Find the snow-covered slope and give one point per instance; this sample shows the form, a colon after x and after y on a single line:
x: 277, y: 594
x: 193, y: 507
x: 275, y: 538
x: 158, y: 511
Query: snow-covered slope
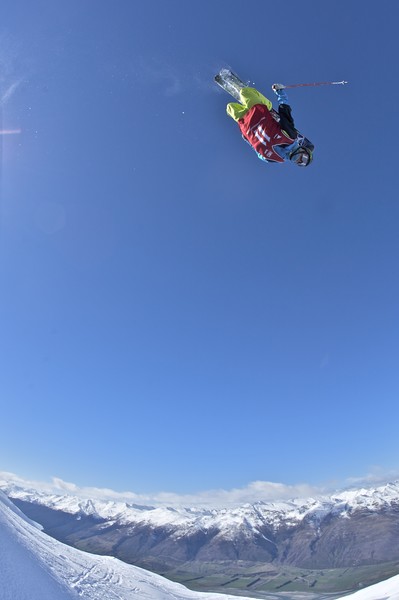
x: 385, y: 590
x: 34, y: 566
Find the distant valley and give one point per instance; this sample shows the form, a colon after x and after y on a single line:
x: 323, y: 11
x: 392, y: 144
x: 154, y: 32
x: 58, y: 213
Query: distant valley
x: 320, y: 545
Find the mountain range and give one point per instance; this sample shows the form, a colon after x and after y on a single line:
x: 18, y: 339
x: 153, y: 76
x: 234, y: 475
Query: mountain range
x: 33, y: 565
x: 325, y: 544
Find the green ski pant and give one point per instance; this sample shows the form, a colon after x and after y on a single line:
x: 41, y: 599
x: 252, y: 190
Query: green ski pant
x: 248, y: 98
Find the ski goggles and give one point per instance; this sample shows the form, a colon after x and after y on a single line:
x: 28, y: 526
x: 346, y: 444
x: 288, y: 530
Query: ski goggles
x: 301, y: 157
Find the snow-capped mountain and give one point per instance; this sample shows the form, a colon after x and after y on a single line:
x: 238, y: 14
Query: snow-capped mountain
x: 36, y: 567
x: 255, y: 543
x: 249, y: 516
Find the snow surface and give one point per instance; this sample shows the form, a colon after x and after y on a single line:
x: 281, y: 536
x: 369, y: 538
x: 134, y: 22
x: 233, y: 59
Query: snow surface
x: 34, y: 566
x: 385, y: 590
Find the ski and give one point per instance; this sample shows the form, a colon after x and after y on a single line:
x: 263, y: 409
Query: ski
x: 232, y: 84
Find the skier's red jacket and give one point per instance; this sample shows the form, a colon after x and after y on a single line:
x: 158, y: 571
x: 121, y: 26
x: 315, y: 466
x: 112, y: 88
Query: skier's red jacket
x: 263, y: 132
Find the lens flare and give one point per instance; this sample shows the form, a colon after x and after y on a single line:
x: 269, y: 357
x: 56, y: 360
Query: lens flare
x: 9, y: 131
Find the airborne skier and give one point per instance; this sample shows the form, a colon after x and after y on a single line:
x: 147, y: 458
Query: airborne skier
x: 272, y: 135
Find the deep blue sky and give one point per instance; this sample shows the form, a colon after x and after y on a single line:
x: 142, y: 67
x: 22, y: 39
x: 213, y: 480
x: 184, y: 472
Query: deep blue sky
x: 175, y: 314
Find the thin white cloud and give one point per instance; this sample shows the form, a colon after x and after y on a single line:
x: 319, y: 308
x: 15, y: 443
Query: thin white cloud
x: 11, y: 68
x: 325, y: 362
x: 377, y: 476
x: 255, y: 491
x: 8, y: 91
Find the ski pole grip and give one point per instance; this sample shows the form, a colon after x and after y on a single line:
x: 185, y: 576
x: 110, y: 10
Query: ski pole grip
x: 277, y: 86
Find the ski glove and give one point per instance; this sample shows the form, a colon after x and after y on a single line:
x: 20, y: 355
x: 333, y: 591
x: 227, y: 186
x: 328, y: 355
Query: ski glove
x: 278, y: 89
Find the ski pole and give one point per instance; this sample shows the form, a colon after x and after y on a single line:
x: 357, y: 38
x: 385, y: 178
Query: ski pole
x: 295, y: 85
